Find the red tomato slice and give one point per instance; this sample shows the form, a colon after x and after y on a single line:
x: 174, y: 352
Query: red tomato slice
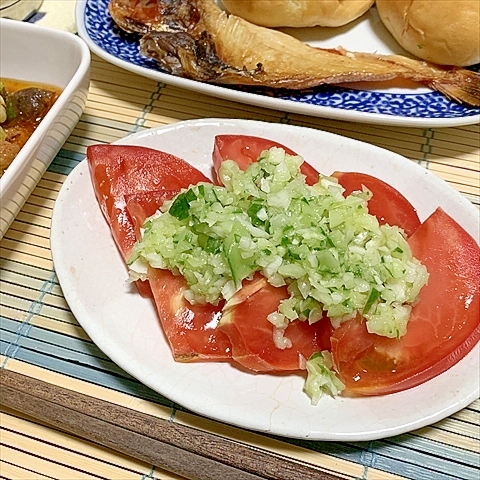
x: 245, y: 149
x: 119, y: 170
x: 191, y: 330
x: 387, y: 204
x: 444, y: 325
x: 251, y: 334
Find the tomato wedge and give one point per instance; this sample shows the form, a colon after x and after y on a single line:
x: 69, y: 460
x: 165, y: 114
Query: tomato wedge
x: 387, y: 204
x: 189, y: 329
x: 119, y: 170
x: 251, y: 334
x: 444, y: 325
x: 245, y: 149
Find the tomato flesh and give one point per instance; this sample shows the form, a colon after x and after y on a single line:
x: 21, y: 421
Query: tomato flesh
x: 387, y: 203
x: 120, y: 170
x: 251, y: 333
x: 190, y: 330
x: 132, y: 182
x: 245, y: 149
x: 443, y: 327
x: 142, y: 205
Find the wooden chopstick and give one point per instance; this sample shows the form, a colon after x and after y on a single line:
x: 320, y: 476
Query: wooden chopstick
x: 183, y: 450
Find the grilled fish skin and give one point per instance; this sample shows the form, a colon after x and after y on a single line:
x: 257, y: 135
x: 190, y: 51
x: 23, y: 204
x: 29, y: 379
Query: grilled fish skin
x: 198, y: 40
x: 144, y: 16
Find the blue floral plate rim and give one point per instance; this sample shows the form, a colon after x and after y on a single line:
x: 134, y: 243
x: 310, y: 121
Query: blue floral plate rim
x: 424, y: 109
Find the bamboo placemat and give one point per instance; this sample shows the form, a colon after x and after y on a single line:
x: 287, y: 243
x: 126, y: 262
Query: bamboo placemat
x: 40, y: 337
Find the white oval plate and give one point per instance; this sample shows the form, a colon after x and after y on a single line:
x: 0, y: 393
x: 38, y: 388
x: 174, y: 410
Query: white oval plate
x: 407, y: 106
x: 125, y: 325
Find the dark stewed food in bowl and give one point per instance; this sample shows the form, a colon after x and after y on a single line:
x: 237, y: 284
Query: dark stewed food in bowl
x: 23, y: 105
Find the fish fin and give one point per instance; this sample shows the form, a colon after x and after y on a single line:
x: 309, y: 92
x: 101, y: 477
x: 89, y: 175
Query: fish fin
x: 463, y: 87
x: 458, y: 84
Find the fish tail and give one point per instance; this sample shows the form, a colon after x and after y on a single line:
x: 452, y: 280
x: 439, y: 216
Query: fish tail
x: 456, y: 83
x: 462, y: 86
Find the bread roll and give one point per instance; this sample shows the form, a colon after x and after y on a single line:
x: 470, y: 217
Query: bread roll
x: 440, y: 31
x: 298, y: 13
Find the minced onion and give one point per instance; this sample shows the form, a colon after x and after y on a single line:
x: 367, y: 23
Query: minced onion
x: 330, y: 252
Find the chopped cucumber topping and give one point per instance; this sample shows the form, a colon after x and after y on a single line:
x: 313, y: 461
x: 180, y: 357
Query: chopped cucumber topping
x: 321, y: 378
x: 330, y: 252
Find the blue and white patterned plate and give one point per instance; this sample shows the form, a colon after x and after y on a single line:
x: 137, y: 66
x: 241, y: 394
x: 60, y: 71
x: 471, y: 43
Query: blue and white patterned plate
x: 414, y: 107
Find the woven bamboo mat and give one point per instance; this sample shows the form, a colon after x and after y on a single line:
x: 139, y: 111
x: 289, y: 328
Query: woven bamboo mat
x: 41, y: 338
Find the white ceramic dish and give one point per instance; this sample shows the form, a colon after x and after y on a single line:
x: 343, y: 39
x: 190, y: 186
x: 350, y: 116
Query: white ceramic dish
x: 125, y: 326
x: 407, y: 107
x: 33, y: 53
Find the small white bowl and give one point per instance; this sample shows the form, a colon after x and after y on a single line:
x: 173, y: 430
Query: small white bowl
x: 42, y: 55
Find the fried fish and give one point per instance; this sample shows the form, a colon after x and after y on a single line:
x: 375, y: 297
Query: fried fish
x: 198, y: 40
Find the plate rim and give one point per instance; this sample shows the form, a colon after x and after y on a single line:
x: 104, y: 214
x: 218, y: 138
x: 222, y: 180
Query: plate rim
x: 69, y: 296
x: 277, y: 104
